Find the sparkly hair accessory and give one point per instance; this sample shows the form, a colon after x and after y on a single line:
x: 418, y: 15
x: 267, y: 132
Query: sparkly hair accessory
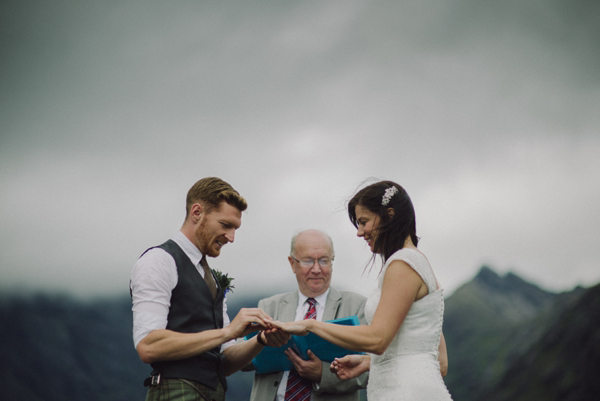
x: 387, y: 196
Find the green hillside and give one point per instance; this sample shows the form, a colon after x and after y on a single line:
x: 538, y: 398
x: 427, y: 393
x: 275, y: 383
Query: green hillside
x: 508, y: 340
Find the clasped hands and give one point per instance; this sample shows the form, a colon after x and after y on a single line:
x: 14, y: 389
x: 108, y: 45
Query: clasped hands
x: 250, y: 320
x: 276, y: 333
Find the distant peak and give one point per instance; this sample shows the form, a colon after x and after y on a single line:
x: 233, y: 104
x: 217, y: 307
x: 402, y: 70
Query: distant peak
x: 511, y: 283
x: 487, y: 275
x: 485, y: 269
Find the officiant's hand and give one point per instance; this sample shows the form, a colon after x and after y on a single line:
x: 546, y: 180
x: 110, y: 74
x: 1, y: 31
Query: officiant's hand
x: 311, y: 369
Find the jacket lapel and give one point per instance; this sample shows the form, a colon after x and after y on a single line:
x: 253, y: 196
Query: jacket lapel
x: 288, y: 307
x: 332, y: 304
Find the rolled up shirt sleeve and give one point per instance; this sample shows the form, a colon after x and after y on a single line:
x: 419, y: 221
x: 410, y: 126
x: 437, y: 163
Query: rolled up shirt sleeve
x: 153, y: 278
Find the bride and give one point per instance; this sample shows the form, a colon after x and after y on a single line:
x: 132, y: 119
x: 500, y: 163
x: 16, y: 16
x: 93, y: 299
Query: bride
x: 406, y: 351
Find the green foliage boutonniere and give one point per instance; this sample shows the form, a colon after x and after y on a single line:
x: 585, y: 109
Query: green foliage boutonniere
x: 224, y: 281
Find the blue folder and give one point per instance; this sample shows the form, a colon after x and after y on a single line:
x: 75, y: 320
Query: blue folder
x: 273, y: 359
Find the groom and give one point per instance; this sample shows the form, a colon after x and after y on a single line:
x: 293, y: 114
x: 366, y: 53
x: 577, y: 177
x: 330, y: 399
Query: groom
x: 180, y: 322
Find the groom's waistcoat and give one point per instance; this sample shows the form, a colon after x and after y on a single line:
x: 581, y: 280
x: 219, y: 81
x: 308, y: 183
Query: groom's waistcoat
x: 193, y: 310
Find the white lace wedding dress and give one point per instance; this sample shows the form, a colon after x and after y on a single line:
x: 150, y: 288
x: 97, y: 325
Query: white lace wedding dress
x: 409, y: 369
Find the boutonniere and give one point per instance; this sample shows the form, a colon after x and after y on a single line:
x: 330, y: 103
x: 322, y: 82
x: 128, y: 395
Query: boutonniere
x: 224, y: 281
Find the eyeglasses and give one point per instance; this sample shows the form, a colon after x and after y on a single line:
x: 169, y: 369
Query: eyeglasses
x: 306, y: 263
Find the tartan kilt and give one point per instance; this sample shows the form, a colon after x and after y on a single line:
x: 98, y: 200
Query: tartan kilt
x: 184, y: 390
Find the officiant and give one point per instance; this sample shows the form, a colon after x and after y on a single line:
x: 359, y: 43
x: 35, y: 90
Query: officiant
x: 311, y: 260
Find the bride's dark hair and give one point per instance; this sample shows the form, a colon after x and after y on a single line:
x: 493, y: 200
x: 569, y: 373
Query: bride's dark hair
x: 392, y: 230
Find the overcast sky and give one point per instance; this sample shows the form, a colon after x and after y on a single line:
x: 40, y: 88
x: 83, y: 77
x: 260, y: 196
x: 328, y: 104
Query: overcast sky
x: 487, y: 112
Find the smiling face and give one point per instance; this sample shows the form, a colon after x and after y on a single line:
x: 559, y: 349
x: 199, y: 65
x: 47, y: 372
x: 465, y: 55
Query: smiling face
x: 367, y: 223
x: 315, y: 280
x: 216, y: 228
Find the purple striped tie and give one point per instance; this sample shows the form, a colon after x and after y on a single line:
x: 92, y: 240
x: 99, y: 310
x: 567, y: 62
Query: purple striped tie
x: 298, y: 388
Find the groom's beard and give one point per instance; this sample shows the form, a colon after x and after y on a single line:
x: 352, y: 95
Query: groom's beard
x: 207, y: 242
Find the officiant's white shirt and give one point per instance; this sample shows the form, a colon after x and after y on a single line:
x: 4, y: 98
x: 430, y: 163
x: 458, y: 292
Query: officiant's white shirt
x: 153, y: 278
x: 301, y: 310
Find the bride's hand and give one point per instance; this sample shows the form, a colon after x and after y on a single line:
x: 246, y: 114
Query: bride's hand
x: 300, y: 328
x: 350, y: 366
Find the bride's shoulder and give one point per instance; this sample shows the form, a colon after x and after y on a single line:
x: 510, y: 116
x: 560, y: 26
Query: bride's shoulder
x: 400, y: 257
x: 406, y: 254
x: 413, y: 257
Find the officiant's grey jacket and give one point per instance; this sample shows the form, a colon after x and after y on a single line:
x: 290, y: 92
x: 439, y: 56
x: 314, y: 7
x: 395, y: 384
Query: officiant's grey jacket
x: 338, y: 304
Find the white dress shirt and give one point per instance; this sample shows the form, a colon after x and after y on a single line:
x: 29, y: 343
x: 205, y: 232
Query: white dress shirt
x: 153, y: 278
x: 301, y: 310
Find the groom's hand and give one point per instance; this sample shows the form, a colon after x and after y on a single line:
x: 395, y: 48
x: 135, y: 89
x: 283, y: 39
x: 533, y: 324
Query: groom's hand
x: 248, y: 320
x: 311, y: 369
x: 276, y: 337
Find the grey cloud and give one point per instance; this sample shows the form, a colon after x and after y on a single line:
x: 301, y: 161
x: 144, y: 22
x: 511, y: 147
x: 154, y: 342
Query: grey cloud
x: 111, y: 111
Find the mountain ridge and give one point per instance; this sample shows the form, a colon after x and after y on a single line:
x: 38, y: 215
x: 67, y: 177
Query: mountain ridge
x: 491, y: 322
x: 566, y: 339
x: 500, y: 331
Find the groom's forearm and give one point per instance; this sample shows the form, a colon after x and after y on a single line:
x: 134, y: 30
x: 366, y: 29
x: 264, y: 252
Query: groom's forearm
x: 165, y: 345
x: 240, y: 355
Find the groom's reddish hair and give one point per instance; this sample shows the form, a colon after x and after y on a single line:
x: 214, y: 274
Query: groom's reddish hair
x: 210, y: 192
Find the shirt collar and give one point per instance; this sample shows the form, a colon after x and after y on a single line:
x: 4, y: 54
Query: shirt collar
x: 321, y: 299
x: 188, y: 247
